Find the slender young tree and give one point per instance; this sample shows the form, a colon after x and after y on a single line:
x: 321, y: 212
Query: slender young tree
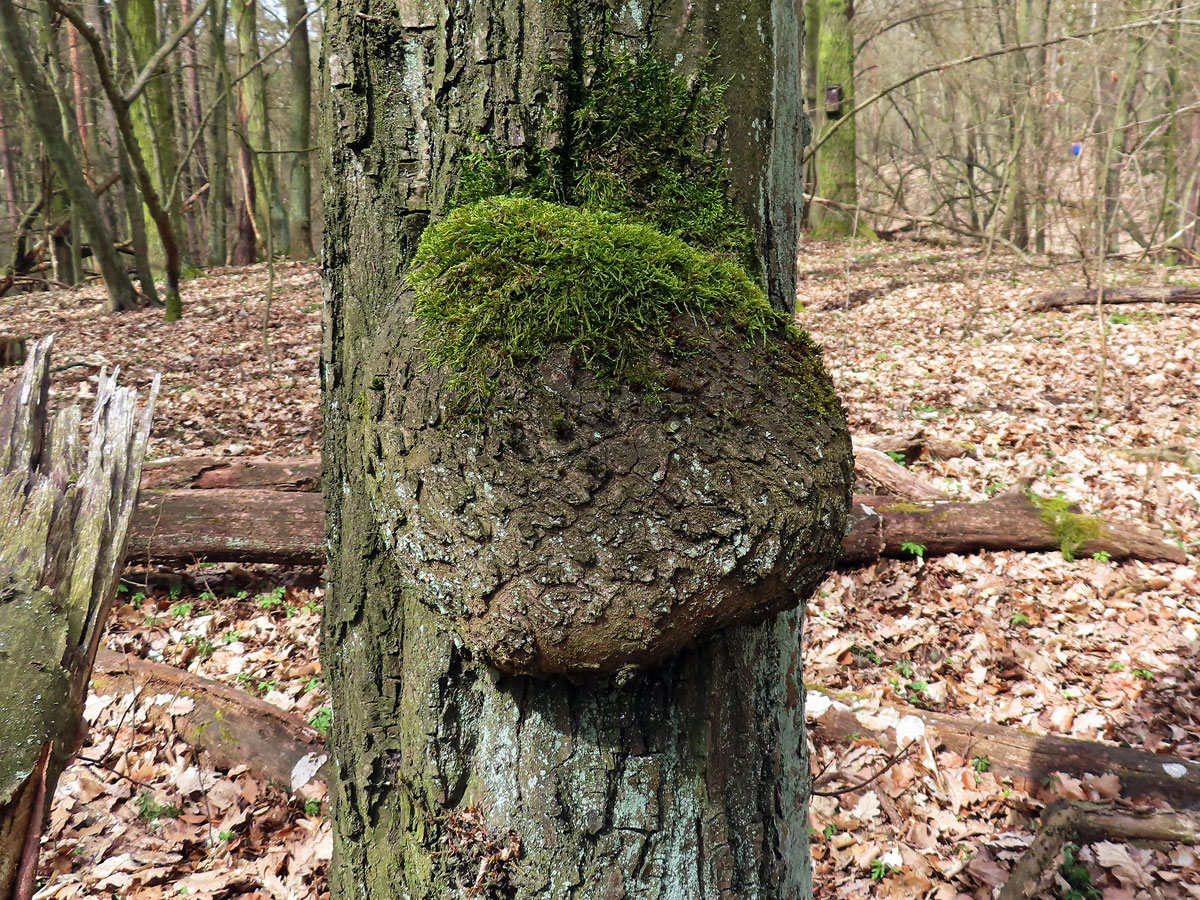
x: 300, y: 120
x: 48, y: 121
x: 218, y: 190
x: 153, y: 111
x: 269, y: 210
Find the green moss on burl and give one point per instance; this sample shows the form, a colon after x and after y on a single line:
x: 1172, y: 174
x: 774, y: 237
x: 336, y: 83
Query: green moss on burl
x: 638, y: 144
x: 504, y: 281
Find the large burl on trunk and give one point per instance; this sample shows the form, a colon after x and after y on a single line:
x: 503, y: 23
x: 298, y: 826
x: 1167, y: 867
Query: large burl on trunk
x: 580, y: 475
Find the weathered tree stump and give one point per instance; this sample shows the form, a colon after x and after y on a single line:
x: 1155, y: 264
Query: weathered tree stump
x: 64, y: 518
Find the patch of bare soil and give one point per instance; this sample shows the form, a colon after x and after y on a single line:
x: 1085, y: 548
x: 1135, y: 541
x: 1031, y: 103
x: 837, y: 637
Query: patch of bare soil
x: 916, y: 338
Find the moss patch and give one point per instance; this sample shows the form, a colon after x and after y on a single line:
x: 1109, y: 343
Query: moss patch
x: 502, y: 281
x: 1071, y: 529
x: 638, y: 142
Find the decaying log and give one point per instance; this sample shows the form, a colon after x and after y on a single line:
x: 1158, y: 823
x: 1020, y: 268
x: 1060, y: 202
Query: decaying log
x: 233, y: 727
x: 1075, y: 820
x: 238, y: 525
x: 184, y: 527
x: 1085, y: 297
x: 881, y: 526
x: 1178, y: 454
x: 1012, y: 753
x: 881, y: 471
x: 301, y: 473
x: 64, y: 519
x: 913, y: 446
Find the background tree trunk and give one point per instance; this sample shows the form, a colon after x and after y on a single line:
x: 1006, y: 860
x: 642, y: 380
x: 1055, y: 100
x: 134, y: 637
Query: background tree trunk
x: 268, y: 211
x: 837, y: 159
x: 687, y: 781
x: 300, y: 118
x: 218, y: 191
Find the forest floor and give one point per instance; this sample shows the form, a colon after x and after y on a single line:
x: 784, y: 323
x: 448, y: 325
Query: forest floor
x: 917, y: 337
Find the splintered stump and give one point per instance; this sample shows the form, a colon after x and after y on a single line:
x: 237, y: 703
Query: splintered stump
x: 64, y: 518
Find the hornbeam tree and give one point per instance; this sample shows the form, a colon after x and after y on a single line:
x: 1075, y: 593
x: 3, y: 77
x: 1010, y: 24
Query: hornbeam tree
x: 582, y: 471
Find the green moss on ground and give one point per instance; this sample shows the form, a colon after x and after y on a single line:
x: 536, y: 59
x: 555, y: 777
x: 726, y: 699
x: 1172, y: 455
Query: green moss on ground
x: 1071, y: 529
x: 504, y: 281
x: 637, y: 143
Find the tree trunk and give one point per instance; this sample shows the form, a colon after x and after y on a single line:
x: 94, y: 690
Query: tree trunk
x: 12, y: 206
x: 121, y: 293
x: 686, y: 780
x: 837, y: 160
x: 300, y: 118
x: 268, y: 211
x: 107, y: 29
x: 218, y: 202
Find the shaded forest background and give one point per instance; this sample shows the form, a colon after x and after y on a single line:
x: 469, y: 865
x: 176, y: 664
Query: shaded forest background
x: 1056, y: 127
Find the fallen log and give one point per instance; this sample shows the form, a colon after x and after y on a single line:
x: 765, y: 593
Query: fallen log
x: 233, y: 727
x: 914, y: 445
x: 883, y: 526
x: 237, y: 525
x: 1075, y: 820
x: 879, y: 470
x: 1012, y: 753
x: 267, y: 526
x: 1085, y: 297
x: 301, y: 473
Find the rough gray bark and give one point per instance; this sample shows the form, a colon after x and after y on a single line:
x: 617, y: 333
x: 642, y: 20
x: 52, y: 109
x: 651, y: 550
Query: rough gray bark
x: 64, y: 518
x: 685, y: 781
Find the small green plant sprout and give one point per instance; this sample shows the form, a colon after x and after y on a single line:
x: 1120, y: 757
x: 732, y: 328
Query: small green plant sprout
x: 1018, y: 618
x: 864, y: 655
x: 272, y: 599
x: 1116, y: 666
x: 182, y: 610
x: 312, y: 683
x: 1144, y: 674
x: 1102, y: 556
x: 1077, y: 877
x: 312, y: 807
x: 829, y: 831
x: 226, y: 836
x: 981, y: 764
x: 898, y: 457
x: 137, y: 599
x: 151, y: 810
x: 905, y: 668
x: 917, y: 550
x: 322, y: 719
x: 176, y: 590
x: 883, y: 866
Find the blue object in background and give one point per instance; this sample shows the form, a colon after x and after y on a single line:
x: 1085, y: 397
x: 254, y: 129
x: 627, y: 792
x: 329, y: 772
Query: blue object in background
x: 1076, y: 148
